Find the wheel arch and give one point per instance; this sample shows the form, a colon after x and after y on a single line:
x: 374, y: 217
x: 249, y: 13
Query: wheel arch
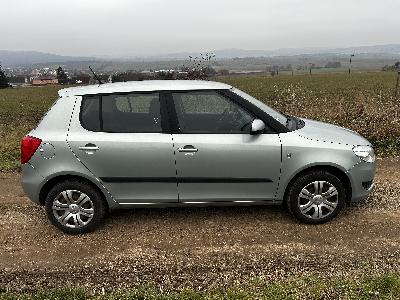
x: 45, y: 189
x: 333, y: 169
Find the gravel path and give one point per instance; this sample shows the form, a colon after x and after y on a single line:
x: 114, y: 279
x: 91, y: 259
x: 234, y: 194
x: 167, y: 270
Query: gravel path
x: 198, y: 247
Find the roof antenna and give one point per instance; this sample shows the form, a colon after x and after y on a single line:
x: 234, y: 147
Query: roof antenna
x: 95, y: 76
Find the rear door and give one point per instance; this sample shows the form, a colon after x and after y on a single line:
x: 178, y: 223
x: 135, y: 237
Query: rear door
x: 123, y: 139
x: 216, y: 157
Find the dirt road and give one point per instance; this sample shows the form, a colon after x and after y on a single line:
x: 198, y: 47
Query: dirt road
x: 198, y: 247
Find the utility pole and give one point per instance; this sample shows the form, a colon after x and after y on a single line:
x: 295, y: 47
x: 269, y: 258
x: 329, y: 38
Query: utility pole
x: 352, y: 55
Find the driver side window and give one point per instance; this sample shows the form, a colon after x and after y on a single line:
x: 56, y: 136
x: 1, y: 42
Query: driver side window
x: 210, y: 112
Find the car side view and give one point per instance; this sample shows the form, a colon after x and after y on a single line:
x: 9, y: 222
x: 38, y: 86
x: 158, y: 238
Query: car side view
x: 186, y: 143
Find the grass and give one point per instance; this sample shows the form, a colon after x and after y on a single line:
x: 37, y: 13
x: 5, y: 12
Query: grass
x: 364, y: 102
x: 385, y: 286
x: 20, y: 110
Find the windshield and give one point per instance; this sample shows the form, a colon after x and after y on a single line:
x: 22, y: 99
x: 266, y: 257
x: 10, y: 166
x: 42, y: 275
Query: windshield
x: 273, y: 113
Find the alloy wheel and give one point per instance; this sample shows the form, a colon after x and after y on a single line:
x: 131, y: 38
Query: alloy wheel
x: 318, y: 199
x: 73, y: 209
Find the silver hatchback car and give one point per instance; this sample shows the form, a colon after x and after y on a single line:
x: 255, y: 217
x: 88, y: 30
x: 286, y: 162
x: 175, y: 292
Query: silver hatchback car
x: 186, y: 143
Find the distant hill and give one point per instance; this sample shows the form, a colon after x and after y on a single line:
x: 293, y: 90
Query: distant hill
x: 34, y: 58
x: 15, y: 58
x: 382, y: 49
x: 234, y: 52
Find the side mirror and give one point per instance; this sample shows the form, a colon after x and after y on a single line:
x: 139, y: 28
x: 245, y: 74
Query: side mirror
x: 257, y: 127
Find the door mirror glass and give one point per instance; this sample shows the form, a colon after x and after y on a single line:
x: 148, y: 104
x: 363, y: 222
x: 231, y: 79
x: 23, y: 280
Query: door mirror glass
x: 257, y: 126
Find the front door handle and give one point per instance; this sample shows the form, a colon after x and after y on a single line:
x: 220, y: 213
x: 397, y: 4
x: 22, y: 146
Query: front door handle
x: 188, y: 149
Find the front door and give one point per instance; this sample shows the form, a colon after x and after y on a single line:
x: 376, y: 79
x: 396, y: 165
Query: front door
x: 121, y: 139
x: 216, y: 157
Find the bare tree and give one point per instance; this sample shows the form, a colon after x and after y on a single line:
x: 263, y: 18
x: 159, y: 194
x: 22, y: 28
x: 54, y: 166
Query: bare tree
x: 200, y: 66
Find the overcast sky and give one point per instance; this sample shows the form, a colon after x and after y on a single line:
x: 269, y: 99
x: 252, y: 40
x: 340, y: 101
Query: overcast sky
x: 146, y: 27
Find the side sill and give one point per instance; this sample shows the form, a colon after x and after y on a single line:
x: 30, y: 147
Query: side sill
x: 198, y: 203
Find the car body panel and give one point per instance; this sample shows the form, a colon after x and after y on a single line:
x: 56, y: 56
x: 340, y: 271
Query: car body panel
x: 128, y: 164
x: 228, y: 167
x: 31, y: 182
x: 361, y: 173
x: 329, y: 133
x: 53, y: 130
x: 300, y: 153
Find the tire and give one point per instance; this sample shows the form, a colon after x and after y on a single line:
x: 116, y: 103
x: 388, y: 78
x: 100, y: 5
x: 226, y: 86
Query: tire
x: 75, y: 207
x: 316, y: 197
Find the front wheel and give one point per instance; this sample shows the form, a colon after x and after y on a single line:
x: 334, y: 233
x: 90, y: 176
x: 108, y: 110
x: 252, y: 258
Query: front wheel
x: 316, y: 197
x: 75, y: 207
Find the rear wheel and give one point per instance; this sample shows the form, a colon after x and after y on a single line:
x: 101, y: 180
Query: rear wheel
x: 75, y: 207
x: 316, y: 197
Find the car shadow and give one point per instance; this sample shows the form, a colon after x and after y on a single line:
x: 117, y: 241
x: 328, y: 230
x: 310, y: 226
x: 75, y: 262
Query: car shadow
x: 272, y: 213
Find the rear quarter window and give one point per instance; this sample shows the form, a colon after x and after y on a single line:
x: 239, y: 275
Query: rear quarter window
x: 90, y: 113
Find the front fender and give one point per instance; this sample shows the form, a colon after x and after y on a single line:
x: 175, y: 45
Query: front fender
x: 299, y: 154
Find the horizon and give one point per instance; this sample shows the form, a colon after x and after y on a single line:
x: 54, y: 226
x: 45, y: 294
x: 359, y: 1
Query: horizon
x: 314, y: 50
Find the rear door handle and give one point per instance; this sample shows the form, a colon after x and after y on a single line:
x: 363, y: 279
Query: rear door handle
x: 188, y: 149
x: 89, y: 148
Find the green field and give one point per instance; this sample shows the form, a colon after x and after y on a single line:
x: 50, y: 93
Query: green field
x: 20, y: 110
x: 377, y: 287
x: 364, y: 102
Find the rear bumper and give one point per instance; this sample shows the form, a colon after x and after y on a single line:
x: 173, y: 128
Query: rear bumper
x: 362, y: 180
x: 31, y: 180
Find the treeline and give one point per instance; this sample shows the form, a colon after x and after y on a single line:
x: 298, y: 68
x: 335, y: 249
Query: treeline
x: 4, y: 83
x: 395, y: 67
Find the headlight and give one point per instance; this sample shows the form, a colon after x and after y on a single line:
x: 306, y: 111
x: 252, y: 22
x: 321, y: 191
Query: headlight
x: 366, y: 153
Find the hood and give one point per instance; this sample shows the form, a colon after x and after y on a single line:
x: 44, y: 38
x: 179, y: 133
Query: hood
x: 330, y: 133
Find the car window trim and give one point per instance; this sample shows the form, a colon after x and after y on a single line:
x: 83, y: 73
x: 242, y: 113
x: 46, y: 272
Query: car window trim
x: 165, y: 123
x: 229, y: 95
x: 169, y: 118
x: 101, y: 113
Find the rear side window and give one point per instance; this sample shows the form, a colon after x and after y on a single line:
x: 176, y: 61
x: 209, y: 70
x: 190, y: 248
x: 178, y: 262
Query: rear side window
x: 128, y: 113
x: 90, y: 116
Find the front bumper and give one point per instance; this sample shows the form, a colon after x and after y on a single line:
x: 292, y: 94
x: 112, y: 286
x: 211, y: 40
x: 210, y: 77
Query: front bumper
x: 362, y: 180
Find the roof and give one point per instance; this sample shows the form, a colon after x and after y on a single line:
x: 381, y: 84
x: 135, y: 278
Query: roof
x: 143, y: 86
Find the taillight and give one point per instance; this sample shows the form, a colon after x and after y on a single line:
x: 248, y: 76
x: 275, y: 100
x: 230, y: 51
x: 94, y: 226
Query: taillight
x: 29, y: 145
